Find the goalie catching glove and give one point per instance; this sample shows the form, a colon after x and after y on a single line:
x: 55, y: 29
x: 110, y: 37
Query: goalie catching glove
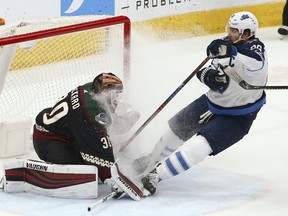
x: 221, y: 49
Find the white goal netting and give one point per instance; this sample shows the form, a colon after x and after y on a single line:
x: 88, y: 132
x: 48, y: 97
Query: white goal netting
x: 44, y: 59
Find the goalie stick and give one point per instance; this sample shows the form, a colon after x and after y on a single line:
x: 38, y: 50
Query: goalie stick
x: 104, y: 199
x: 164, y: 103
x: 233, y: 74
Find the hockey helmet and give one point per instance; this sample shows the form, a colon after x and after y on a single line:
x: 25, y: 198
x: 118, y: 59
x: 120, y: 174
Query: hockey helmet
x: 110, y: 87
x: 243, y: 21
x: 106, y: 81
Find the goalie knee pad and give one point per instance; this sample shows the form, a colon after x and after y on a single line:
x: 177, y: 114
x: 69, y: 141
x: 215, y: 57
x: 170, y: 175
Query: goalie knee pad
x: 65, y: 181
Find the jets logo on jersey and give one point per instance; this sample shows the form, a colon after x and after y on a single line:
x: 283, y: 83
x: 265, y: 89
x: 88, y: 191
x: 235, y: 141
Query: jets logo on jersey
x: 87, y: 7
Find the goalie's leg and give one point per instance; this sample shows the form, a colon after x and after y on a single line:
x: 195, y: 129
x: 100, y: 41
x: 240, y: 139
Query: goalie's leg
x: 68, y: 181
x: 65, y: 153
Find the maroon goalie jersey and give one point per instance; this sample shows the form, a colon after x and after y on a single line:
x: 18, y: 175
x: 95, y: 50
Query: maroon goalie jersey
x: 81, y: 121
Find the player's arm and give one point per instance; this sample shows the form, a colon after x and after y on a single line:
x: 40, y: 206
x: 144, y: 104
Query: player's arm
x: 214, y: 78
x: 252, y: 55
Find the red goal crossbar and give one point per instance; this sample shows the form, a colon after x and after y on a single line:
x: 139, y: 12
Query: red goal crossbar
x: 76, y: 28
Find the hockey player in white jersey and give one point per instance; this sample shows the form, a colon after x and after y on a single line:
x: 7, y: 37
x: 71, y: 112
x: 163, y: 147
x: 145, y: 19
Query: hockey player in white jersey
x: 216, y: 120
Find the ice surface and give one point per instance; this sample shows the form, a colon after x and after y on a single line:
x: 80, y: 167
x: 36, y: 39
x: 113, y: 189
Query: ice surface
x: 250, y: 178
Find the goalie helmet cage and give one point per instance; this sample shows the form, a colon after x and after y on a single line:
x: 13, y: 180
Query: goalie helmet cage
x: 43, y: 59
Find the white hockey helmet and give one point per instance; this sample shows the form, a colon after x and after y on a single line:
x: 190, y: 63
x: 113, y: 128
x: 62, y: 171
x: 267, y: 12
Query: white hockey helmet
x: 243, y: 21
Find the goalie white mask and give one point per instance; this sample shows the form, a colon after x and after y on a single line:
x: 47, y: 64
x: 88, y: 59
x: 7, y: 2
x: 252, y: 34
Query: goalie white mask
x: 112, y: 98
x: 243, y: 21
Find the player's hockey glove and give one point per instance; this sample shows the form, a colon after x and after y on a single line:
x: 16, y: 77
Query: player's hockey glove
x: 216, y: 80
x: 114, y: 187
x: 221, y: 49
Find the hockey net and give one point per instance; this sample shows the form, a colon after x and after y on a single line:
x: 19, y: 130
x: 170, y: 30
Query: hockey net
x: 44, y: 59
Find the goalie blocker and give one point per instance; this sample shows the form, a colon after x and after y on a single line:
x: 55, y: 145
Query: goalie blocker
x: 64, y: 181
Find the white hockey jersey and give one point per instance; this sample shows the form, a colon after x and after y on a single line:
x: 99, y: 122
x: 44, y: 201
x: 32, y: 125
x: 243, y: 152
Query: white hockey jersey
x: 252, y: 66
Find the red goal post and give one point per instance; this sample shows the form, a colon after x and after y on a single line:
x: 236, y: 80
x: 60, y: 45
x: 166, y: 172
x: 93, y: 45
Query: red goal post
x: 43, y: 59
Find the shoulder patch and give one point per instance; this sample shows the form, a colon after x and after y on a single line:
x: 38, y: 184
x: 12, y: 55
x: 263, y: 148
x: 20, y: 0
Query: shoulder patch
x: 102, y: 118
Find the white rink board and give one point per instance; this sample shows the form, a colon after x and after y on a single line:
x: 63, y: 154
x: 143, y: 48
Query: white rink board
x: 136, y: 10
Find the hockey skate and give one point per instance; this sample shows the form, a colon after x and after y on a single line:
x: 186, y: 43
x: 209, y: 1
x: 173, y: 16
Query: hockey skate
x: 150, y: 181
x: 283, y: 31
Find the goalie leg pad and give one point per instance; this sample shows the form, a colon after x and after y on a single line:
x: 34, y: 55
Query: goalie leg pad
x: 130, y: 188
x: 64, y: 181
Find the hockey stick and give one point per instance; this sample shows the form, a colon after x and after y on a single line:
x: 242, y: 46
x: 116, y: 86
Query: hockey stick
x: 104, y: 199
x: 233, y: 74
x: 164, y: 104
x: 127, y: 186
